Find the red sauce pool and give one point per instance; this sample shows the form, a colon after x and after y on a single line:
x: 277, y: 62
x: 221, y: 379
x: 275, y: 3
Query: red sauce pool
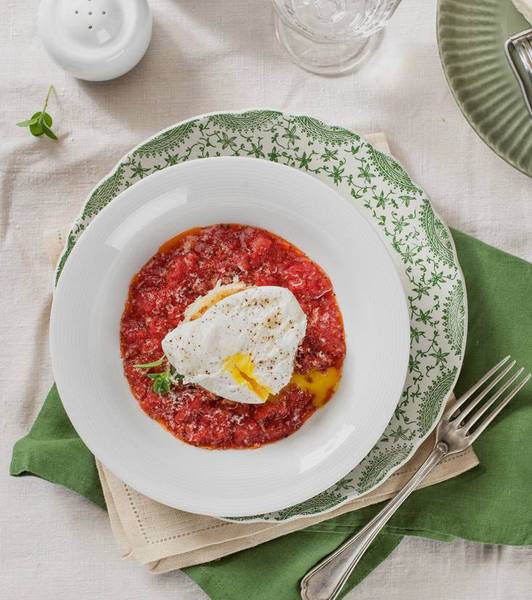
x: 190, y: 265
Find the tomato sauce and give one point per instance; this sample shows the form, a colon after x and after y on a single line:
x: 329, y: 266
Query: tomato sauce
x: 190, y: 265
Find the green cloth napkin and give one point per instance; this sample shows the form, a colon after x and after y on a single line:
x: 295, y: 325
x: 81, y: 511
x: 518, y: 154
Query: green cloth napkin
x: 492, y: 503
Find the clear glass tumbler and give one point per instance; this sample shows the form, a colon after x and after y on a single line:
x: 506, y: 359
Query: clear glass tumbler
x: 331, y: 37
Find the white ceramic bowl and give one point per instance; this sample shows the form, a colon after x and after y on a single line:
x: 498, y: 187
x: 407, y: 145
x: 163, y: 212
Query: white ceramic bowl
x: 90, y: 298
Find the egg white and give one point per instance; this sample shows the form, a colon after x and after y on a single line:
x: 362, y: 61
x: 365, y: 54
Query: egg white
x: 264, y: 323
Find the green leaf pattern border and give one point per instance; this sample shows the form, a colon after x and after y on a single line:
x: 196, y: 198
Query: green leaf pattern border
x: 417, y: 238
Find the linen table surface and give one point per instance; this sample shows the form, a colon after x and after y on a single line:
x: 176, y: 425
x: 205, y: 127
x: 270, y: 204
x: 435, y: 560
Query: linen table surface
x: 210, y: 56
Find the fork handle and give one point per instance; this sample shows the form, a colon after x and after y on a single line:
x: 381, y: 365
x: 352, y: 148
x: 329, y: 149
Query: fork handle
x: 326, y: 579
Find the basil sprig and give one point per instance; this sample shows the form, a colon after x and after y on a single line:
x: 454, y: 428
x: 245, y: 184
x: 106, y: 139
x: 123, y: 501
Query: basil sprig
x: 162, y: 380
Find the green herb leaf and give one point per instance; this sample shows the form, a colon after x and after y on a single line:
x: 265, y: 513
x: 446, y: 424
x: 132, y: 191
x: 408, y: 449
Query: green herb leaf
x: 162, y: 383
x: 150, y: 365
x: 178, y: 377
x: 36, y: 129
x: 29, y: 122
x: 47, y: 131
x: 40, y: 122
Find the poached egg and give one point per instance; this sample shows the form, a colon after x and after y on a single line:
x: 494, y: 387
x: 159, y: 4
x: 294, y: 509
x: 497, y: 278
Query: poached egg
x: 239, y: 343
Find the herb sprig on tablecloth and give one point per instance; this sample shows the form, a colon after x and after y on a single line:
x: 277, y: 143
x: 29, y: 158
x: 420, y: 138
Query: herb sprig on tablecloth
x: 41, y: 122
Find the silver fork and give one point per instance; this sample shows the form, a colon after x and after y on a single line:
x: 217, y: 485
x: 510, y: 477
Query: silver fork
x: 458, y: 428
x: 518, y: 50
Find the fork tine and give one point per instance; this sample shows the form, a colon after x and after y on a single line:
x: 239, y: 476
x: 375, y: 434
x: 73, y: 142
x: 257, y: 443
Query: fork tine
x: 464, y: 397
x: 476, y: 401
x: 523, y: 55
x: 528, y: 54
x: 529, y: 48
x: 525, y: 45
x: 481, y: 381
x: 484, y: 408
x: 473, y: 436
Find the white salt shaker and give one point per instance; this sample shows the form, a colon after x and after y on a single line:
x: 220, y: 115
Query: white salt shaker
x: 95, y: 40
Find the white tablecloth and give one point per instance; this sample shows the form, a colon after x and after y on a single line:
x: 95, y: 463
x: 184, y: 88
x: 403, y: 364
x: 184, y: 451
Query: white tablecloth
x: 208, y: 56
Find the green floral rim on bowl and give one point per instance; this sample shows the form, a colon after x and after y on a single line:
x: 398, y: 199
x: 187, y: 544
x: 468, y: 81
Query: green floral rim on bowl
x: 471, y: 36
x: 419, y: 242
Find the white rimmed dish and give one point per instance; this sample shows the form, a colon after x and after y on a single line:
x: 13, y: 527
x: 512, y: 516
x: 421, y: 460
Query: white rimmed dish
x: 90, y: 297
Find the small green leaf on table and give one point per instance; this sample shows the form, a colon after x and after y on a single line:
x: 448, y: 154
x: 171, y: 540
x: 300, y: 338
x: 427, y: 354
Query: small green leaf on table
x: 41, y: 122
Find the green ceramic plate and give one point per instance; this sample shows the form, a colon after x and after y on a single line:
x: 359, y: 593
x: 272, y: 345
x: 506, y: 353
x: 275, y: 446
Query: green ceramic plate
x: 418, y: 240
x: 471, y: 36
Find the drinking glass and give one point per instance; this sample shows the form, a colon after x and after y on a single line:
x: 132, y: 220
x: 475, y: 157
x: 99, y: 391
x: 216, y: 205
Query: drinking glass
x: 331, y: 37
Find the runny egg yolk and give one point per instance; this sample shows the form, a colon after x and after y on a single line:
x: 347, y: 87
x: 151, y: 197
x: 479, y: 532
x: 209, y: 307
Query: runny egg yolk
x: 241, y: 367
x: 321, y: 384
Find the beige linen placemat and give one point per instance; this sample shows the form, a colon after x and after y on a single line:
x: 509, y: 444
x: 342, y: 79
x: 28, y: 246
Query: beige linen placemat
x: 164, y: 538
